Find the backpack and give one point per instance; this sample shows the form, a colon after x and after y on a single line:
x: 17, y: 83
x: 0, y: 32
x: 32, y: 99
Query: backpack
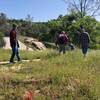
x: 62, y: 39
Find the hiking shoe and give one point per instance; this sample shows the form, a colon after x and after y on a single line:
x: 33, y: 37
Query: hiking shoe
x: 12, y: 62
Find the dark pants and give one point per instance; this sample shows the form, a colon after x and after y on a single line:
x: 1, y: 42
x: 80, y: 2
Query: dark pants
x: 14, y: 52
x: 85, y: 49
x: 62, y: 48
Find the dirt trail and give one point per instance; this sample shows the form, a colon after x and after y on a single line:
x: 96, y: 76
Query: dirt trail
x: 16, y: 66
x: 7, y: 62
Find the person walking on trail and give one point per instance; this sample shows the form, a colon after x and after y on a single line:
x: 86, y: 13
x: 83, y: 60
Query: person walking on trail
x: 84, y: 40
x: 62, y: 40
x: 14, y: 44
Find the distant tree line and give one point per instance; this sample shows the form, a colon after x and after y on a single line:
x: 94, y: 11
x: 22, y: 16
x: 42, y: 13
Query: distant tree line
x: 47, y: 31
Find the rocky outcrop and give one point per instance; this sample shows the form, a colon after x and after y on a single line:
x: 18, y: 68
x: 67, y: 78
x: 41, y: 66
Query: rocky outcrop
x: 22, y: 45
x: 29, y: 44
x: 34, y: 43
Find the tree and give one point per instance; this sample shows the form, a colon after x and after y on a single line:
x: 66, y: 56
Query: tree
x: 29, y: 20
x: 4, y: 25
x: 3, y: 18
x: 2, y: 42
x: 84, y: 7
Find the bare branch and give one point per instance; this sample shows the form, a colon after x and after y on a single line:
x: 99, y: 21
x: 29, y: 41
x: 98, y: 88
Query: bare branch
x: 83, y: 7
x: 75, y: 5
x: 96, y: 10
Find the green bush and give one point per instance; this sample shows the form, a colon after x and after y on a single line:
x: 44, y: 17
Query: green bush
x: 2, y: 42
x: 94, y: 46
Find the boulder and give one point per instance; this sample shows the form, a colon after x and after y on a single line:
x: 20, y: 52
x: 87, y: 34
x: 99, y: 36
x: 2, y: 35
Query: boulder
x: 35, y: 44
x: 38, y: 45
x: 28, y: 42
x: 22, y: 45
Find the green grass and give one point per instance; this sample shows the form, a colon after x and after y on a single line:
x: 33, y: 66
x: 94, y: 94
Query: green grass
x: 64, y: 77
x: 25, y: 55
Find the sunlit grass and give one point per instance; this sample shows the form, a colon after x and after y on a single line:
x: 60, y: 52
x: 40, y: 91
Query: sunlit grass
x: 57, y: 77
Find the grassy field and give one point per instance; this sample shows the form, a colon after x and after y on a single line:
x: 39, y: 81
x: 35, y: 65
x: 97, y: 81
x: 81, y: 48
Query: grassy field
x: 53, y: 77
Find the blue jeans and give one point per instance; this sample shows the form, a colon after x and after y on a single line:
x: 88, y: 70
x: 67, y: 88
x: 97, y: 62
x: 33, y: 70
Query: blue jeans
x: 14, y: 52
x: 85, y: 49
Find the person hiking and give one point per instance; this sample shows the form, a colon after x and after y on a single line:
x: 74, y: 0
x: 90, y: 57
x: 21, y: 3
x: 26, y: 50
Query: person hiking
x: 14, y: 44
x: 84, y: 40
x: 62, y: 40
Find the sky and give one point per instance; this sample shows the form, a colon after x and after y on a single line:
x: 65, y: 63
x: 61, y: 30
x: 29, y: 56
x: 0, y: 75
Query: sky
x: 40, y: 10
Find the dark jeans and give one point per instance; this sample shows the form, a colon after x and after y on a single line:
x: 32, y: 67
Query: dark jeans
x: 62, y: 48
x: 85, y: 49
x: 14, y: 52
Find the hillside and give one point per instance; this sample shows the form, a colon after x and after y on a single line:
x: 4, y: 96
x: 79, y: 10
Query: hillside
x: 53, y: 77
x: 47, y: 31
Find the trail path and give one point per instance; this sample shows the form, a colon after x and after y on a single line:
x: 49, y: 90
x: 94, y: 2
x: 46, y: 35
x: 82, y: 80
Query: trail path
x: 16, y: 66
x: 7, y: 62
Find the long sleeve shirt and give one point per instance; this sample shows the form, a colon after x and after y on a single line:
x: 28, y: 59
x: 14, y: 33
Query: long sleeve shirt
x: 84, y: 39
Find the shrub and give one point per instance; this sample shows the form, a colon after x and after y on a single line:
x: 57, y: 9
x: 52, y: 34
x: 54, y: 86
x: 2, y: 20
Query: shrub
x: 2, y: 42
